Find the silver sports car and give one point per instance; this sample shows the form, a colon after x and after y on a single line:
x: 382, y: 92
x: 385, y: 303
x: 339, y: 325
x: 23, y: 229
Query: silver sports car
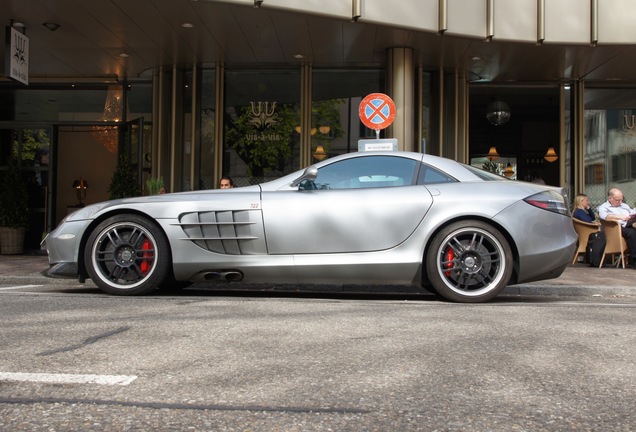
x: 381, y: 218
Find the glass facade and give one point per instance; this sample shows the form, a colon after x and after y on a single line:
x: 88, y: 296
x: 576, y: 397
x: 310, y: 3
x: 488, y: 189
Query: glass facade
x: 206, y: 143
x: 261, y: 112
x: 55, y: 103
x: 610, y: 144
x: 335, y: 122
x: 59, y: 133
x: 54, y: 132
x: 188, y: 137
x: 522, y: 141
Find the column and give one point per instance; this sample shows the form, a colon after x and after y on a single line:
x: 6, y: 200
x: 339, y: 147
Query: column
x: 401, y: 88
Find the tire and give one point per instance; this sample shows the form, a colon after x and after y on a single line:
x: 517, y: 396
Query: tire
x: 469, y: 262
x: 127, y: 255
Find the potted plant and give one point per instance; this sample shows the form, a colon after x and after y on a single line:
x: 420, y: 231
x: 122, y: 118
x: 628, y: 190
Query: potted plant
x: 155, y: 186
x: 14, y: 211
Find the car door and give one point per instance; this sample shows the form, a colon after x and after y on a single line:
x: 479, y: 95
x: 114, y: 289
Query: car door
x: 360, y: 204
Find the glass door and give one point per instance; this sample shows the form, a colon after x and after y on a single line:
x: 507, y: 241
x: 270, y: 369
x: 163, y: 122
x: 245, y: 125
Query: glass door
x: 136, y: 149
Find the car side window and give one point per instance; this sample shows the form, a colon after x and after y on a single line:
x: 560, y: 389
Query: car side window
x: 429, y: 175
x: 367, y: 172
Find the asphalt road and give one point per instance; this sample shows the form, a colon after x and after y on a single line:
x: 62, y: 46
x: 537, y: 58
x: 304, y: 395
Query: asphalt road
x: 204, y: 361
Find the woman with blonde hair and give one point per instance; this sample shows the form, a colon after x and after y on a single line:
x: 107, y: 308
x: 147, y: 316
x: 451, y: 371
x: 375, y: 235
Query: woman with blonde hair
x: 582, y: 210
x: 596, y: 241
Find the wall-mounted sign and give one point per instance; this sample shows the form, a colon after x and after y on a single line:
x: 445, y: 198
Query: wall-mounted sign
x: 17, y: 56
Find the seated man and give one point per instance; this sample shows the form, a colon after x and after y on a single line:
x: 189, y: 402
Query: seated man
x: 615, y: 209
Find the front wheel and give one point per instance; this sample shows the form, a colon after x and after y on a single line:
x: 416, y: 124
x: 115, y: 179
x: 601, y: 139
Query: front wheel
x: 469, y: 262
x: 127, y: 255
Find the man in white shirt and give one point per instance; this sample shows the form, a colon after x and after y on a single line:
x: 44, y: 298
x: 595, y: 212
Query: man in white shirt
x: 615, y: 209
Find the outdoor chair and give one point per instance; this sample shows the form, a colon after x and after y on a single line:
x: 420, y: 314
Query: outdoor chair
x: 616, y: 244
x: 583, y: 229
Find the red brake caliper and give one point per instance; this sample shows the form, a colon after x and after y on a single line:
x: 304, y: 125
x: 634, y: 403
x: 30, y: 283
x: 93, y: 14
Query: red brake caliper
x: 147, y: 257
x: 448, y: 257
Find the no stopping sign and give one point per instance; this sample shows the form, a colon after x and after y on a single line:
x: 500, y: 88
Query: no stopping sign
x: 377, y: 111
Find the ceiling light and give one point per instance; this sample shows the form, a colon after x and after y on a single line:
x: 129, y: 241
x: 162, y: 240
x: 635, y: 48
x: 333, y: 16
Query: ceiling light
x: 124, y: 55
x: 498, y: 113
x: 509, y: 172
x: 51, y: 25
x: 187, y: 25
x: 551, y: 155
x: 299, y: 56
x: 492, y: 154
x: 320, y: 153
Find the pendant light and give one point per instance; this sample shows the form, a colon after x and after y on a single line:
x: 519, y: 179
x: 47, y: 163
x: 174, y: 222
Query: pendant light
x: 498, y: 112
x: 551, y: 155
x: 508, y: 171
x: 492, y: 154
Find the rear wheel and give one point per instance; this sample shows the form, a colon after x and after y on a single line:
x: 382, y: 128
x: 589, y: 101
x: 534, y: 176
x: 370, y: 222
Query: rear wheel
x: 469, y: 262
x: 127, y: 255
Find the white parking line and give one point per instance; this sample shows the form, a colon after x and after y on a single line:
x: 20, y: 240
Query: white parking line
x: 68, y: 378
x: 20, y: 286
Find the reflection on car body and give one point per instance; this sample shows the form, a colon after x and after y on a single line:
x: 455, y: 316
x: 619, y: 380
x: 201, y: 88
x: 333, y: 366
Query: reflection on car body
x: 384, y: 218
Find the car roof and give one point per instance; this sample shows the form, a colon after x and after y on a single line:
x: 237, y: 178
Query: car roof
x: 449, y: 166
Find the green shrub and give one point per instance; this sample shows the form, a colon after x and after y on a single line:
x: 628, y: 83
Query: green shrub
x: 124, y: 183
x: 154, y: 185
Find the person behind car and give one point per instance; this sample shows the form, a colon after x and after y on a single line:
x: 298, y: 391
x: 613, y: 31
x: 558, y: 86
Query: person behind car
x: 615, y: 209
x: 596, y: 241
x: 582, y: 210
x: 226, y: 182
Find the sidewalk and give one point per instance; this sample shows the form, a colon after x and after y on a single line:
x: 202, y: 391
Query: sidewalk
x: 23, y: 265
x: 577, y: 280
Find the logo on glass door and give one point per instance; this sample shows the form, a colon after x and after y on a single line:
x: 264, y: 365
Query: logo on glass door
x: 263, y: 115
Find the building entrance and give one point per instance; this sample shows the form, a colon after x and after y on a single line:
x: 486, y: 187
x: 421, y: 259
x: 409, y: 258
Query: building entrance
x: 29, y: 149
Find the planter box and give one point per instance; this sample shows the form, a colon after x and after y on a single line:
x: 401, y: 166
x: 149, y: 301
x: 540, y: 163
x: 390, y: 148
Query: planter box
x: 11, y: 240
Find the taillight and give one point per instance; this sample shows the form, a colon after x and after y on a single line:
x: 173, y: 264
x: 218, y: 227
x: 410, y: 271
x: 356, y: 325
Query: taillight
x: 549, y: 200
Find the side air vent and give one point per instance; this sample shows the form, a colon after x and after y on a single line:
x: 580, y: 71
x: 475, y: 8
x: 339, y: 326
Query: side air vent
x: 237, y: 232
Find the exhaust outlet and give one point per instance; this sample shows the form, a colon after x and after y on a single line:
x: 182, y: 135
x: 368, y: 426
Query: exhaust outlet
x: 233, y: 276
x: 223, y: 276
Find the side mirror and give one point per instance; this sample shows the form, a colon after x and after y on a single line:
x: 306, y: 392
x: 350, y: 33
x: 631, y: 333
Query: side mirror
x: 309, y: 174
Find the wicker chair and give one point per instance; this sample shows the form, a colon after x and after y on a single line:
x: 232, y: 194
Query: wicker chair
x: 583, y: 229
x: 616, y: 244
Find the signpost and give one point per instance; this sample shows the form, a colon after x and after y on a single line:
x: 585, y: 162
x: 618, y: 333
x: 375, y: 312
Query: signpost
x: 377, y: 112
